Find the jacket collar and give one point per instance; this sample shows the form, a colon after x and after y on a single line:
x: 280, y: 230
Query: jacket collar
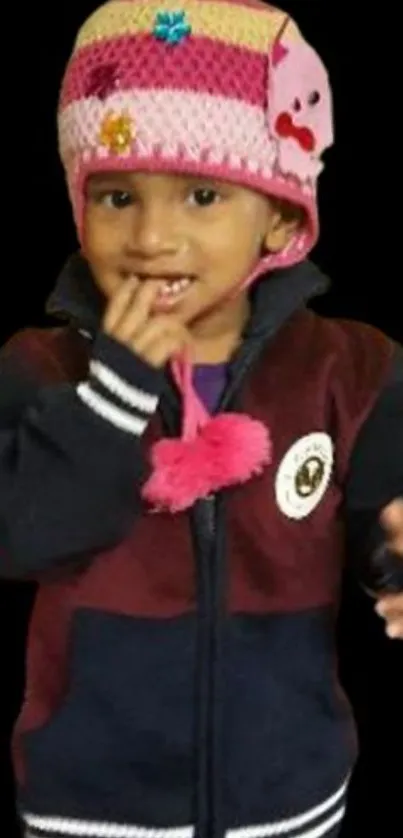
x: 75, y: 297
x: 275, y: 297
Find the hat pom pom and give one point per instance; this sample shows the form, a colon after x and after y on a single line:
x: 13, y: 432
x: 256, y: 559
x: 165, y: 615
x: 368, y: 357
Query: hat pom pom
x: 229, y: 449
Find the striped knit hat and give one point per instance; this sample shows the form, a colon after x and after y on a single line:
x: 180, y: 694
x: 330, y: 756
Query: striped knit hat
x: 222, y: 88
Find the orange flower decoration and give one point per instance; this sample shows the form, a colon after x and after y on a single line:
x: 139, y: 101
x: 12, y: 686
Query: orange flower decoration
x: 117, y: 133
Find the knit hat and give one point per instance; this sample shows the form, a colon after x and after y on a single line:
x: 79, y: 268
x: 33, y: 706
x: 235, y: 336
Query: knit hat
x: 227, y: 89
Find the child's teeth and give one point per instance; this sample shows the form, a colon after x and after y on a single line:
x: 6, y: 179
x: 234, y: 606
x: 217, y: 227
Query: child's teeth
x: 175, y: 287
x: 170, y: 288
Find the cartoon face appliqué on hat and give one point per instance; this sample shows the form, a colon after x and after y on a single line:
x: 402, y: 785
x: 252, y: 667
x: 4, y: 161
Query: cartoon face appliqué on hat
x: 300, y: 108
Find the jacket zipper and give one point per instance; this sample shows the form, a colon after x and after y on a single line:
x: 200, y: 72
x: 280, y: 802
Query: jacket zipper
x: 209, y: 663
x: 211, y: 589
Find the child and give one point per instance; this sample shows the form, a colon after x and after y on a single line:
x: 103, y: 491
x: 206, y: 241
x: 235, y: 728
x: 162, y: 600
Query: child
x: 186, y: 461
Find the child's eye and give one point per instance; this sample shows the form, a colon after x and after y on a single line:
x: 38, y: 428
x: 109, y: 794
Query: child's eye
x: 205, y: 196
x: 115, y: 199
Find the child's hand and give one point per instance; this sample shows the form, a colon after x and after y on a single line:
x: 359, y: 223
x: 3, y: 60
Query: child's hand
x: 129, y: 320
x: 390, y: 606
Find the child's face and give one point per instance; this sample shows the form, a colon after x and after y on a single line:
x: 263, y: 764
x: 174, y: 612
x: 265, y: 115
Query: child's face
x: 154, y: 225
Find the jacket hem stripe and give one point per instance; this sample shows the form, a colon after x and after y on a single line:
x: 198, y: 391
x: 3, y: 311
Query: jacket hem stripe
x: 294, y: 827
x: 300, y: 826
x: 272, y: 830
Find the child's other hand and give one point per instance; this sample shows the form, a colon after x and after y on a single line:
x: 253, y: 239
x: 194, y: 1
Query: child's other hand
x: 390, y: 606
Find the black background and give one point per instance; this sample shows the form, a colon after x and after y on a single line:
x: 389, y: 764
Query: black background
x: 359, y: 248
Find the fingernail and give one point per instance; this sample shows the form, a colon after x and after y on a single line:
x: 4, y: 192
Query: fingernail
x: 380, y: 609
x: 393, y: 631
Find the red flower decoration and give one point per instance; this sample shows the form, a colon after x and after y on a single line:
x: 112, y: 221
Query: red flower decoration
x: 102, y: 80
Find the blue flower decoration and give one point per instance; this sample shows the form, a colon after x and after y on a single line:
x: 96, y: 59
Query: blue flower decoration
x: 171, y: 27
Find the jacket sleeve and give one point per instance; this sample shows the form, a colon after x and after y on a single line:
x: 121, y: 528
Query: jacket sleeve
x: 70, y: 454
x: 374, y: 479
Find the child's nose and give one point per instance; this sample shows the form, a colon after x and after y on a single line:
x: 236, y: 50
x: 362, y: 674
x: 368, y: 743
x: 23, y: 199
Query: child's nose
x: 154, y: 232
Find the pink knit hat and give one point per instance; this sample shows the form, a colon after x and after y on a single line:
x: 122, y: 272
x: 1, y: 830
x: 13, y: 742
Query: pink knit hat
x: 224, y: 88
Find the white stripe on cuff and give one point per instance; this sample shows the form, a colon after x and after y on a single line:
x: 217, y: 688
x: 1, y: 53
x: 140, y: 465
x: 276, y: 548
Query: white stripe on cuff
x: 120, y: 418
x: 133, y: 396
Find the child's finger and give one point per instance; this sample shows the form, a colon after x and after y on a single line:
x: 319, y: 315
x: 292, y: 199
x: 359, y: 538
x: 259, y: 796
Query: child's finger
x: 394, y: 629
x: 390, y: 604
x: 118, y: 304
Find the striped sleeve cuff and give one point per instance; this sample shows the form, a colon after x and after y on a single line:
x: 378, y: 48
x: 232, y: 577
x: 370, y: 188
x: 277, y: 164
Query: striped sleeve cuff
x: 122, y: 389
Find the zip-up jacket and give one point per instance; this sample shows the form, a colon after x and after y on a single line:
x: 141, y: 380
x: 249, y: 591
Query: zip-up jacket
x: 181, y: 669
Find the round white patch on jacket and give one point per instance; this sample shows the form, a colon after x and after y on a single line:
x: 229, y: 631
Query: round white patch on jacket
x: 304, y: 474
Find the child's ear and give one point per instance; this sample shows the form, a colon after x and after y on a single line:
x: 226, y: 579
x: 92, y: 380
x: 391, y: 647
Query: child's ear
x: 280, y: 231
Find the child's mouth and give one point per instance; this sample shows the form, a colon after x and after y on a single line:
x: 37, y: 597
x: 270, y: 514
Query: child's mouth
x: 171, y: 291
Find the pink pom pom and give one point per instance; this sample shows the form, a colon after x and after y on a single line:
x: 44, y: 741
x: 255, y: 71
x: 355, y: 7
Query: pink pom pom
x: 239, y: 448
x: 230, y: 449
x: 181, y: 474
